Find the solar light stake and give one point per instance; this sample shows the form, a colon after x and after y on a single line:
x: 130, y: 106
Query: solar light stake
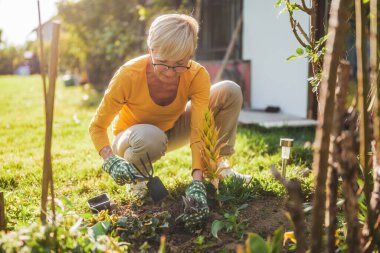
x: 286, y: 144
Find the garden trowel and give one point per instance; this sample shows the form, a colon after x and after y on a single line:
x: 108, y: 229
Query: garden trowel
x: 155, y: 186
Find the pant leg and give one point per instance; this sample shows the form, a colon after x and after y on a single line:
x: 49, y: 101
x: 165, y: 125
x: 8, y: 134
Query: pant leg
x: 135, y: 142
x: 226, y: 100
x: 179, y: 134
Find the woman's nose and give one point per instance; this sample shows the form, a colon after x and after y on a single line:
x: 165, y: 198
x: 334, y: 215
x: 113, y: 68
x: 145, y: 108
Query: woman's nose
x: 170, y: 72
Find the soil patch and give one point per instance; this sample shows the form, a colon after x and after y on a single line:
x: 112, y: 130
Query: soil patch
x: 263, y: 214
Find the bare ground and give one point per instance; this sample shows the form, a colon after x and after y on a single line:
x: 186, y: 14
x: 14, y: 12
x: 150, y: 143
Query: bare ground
x: 264, y: 216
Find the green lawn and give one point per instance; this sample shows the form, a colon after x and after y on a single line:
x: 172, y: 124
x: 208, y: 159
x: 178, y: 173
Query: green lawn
x: 76, y: 164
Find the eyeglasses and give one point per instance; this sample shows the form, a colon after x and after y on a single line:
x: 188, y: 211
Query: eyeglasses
x: 163, y: 67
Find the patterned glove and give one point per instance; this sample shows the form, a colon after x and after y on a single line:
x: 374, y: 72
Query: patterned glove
x: 120, y: 170
x: 196, y: 209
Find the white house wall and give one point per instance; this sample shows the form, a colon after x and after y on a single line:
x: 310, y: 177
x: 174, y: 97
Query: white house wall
x: 267, y: 42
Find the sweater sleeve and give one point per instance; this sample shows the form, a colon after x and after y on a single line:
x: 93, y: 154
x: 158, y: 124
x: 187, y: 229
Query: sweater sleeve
x: 114, y: 98
x: 199, y: 95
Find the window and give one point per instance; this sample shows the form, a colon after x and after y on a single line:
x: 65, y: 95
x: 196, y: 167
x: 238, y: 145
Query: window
x: 217, y: 24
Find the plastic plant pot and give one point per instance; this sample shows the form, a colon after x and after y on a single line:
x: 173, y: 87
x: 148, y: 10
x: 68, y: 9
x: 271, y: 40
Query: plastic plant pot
x: 100, y: 202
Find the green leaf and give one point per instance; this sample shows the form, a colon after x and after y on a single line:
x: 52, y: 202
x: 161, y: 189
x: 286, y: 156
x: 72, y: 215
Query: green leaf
x: 322, y: 40
x: 86, y: 216
x: 292, y: 57
x: 199, y: 240
x: 242, y: 207
x: 100, y: 228
x: 227, y: 215
x: 276, y: 242
x: 299, y: 51
x: 122, y: 222
x: 256, y: 244
x: 224, y: 198
x: 365, y: 1
x: 107, y: 225
x: 278, y: 3
x: 283, y: 11
x: 216, y: 226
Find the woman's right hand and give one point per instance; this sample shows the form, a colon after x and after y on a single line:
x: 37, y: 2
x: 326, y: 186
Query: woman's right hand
x: 106, y: 152
x: 120, y: 170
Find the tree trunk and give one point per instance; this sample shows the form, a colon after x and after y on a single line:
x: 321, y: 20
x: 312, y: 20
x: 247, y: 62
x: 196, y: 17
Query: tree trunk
x: 369, y: 239
x: 334, y: 50
x: 332, y: 178
x: 348, y: 163
x: 295, y: 209
x: 363, y: 103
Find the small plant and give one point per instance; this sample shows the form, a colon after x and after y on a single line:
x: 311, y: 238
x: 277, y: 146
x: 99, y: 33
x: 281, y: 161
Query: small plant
x: 211, y: 146
x: 255, y: 243
x: 302, y: 156
x: 201, y: 243
x: 230, y: 224
x: 132, y: 229
x: 72, y: 236
x: 235, y: 191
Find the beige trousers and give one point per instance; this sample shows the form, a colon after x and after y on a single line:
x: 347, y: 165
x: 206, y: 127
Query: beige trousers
x: 225, y: 101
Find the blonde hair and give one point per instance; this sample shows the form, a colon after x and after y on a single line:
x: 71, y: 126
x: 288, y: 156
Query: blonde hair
x: 173, y: 36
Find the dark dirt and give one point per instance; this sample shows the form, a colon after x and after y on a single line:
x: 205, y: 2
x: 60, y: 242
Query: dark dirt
x: 263, y: 214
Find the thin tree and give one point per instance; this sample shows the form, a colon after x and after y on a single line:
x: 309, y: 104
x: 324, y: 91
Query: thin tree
x: 363, y: 103
x: 371, y: 231
x: 334, y: 166
x: 337, y: 30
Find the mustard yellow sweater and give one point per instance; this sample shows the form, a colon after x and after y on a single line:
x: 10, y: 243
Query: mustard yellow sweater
x: 127, y: 101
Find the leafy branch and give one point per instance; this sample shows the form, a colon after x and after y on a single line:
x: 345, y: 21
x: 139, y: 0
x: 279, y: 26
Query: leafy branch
x: 312, y: 48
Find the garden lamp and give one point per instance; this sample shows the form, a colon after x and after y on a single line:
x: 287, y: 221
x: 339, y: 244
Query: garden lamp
x: 286, y: 144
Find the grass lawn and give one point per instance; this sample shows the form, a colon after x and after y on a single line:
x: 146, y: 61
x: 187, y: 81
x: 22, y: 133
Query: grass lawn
x: 77, y: 166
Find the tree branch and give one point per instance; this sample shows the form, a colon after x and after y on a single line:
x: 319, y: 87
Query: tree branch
x: 305, y: 8
x: 294, y: 30
x: 302, y: 31
x: 295, y: 208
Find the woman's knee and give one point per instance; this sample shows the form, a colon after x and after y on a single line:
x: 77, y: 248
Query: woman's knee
x: 233, y: 89
x: 229, y: 90
x: 145, y: 139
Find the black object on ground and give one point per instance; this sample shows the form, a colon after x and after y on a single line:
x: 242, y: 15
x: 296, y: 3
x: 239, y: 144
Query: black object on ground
x: 272, y: 109
x: 100, y: 202
x: 156, y: 189
x: 155, y: 186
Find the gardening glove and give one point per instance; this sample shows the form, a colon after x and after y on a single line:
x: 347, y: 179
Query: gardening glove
x: 196, y: 208
x: 120, y: 170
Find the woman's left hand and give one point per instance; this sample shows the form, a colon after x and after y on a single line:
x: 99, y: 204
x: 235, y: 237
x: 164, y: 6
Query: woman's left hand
x: 196, y: 208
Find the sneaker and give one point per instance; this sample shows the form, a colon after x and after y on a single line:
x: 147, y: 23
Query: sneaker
x: 228, y: 171
x: 138, y: 190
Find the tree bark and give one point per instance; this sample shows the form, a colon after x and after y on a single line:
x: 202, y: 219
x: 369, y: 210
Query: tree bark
x: 295, y: 208
x: 334, y: 50
x: 348, y: 163
x: 47, y: 176
x: 3, y: 223
x: 332, y: 178
x: 370, y: 239
x: 363, y: 103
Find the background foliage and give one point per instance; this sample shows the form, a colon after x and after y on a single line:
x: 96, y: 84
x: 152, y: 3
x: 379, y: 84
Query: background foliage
x: 100, y: 35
